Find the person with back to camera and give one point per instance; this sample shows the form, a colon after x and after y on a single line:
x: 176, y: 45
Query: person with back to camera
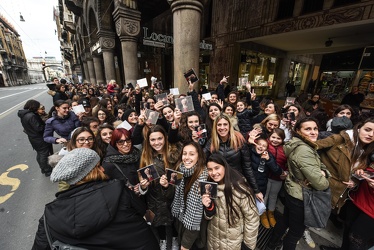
x: 87, y: 226
x: 33, y: 126
x: 233, y: 215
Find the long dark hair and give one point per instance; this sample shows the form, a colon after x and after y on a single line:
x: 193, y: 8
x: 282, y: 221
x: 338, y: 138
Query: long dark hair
x: 233, y: 180
x: 361, y: 152
x: 184, y: 131
x: 32, y: 105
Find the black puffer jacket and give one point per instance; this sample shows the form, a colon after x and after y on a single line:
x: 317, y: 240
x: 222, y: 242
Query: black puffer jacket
x: 33, y: 126
x: 245, y: 118
x: 128, y: 163
x: 270, y: 165
x: 157, y: 201
x: 239, y: 160
x: 115, y: 221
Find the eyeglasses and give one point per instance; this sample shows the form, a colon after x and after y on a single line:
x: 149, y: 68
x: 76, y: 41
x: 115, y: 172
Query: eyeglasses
x: 83, y: 140
x: 122, y: 142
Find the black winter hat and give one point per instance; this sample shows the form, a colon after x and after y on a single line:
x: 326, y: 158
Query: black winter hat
x: 340, y: 123
x: 127, y: 113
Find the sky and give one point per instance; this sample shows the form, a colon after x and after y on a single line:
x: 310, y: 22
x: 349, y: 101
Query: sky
x: 38, y: 31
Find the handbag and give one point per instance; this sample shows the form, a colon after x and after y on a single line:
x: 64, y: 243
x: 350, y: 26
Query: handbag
x: 317, y: 207
x: 317, y: 204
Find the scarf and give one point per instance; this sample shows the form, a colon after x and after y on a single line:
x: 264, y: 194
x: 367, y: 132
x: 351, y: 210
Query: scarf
x: 190, y: 213
x: 132, y: 157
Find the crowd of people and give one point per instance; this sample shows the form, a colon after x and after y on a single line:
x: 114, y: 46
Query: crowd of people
x: 255, y: 151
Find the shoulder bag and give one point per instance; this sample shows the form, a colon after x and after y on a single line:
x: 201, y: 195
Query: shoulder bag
x: 317, y: 204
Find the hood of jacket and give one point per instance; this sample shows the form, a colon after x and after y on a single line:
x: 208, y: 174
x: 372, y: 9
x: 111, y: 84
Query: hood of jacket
x: 294, y: 143
x: 73, y: 214
x: 23, y: 112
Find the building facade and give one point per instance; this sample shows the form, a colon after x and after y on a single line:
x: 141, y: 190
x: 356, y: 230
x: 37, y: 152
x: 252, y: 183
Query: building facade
x: 266, y: 42
x: 13, y: 66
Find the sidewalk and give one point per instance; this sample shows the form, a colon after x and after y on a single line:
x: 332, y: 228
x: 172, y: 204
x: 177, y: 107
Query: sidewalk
x: 329, y: 236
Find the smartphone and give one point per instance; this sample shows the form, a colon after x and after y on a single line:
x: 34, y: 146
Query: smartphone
x: 291, y: 116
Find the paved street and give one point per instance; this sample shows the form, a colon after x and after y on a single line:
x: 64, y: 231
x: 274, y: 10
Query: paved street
x: 23, y: 189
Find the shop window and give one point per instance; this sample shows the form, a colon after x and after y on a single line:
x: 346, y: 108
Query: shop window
x: 312, y: 6
x: 338, y: 3
x: 285, y: 9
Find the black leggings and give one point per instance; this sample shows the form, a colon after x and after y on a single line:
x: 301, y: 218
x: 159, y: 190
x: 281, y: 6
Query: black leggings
x: 358, y: 231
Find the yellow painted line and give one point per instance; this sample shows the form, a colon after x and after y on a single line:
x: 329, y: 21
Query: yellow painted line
x: 5, y: 180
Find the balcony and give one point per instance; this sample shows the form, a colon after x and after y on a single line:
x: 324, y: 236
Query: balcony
x: 75, y: 6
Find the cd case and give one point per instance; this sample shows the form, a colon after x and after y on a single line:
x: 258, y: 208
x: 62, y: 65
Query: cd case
x: 149, y: 172
x: 209, y: 188
x: 174, y: 177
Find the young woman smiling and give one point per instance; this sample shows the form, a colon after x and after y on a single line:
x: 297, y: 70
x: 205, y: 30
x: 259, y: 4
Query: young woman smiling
x: 231, y: 144
x: 187, y: 207
x: 233, y: 216
x: 158, y: 151
x: 304, y: 165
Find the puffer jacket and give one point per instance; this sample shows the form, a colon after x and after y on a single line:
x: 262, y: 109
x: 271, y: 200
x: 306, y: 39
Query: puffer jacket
x: 223, y: 237
x: 335, y: 152
x: 128, y: 163
x: 115, y: 221
x: 63, y: 126
x: 304, y: 165
x: 239, y: 160
x: 270, y: 167
x: 245, y: 118
x: 157, y: 201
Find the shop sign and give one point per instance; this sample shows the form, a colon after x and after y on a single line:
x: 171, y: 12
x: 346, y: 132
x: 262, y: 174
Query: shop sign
x: 153, y: 43
x: 159, y: 40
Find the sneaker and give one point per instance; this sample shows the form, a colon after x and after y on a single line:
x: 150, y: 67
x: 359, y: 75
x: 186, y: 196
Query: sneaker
x: 308, y: 239
x: 162, y: 244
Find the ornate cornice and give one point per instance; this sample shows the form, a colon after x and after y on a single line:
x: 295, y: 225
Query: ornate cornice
x: 324, y: 19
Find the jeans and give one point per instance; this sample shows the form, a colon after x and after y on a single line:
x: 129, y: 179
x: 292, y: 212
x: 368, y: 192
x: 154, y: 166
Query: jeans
x: 42, y: 159
x: 293, y: 219
x: 272, y: 191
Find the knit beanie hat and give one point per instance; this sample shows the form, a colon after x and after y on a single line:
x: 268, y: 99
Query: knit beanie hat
x: 127, y: 113
x: 340, y: 123
x: 75, y: 165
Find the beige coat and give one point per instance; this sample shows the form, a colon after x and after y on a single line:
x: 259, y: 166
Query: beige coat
x: 223, y: 237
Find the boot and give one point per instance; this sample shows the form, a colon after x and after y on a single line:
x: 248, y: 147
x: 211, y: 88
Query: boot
x: 271, y: 218
x: 264, y: 220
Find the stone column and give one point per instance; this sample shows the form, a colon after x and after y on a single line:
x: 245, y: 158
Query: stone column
x: 98, y: 62
x: 107, y: 47
x: 128, y: 28
x: 86, y: 75
x: 186, y: 33
x: 91, y: 69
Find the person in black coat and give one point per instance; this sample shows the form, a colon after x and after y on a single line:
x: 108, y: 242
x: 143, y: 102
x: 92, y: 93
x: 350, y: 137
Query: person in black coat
x: 60, y: 93
x: 93, y: 213
x: 33, y: 126
x: 231, y: 144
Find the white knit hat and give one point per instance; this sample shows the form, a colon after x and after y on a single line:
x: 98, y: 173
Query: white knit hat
x: 75, y: 165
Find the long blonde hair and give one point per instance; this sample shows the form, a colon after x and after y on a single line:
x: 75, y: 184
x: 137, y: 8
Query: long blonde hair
x: 149, y: 153
x: 236, y: 138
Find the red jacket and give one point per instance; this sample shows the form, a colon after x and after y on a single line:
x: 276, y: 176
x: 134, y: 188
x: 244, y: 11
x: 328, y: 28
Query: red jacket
x: 363, y: 198
x: 280, y: 159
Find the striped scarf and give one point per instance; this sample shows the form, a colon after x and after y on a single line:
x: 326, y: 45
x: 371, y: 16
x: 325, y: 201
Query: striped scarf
x: 191, y: 212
